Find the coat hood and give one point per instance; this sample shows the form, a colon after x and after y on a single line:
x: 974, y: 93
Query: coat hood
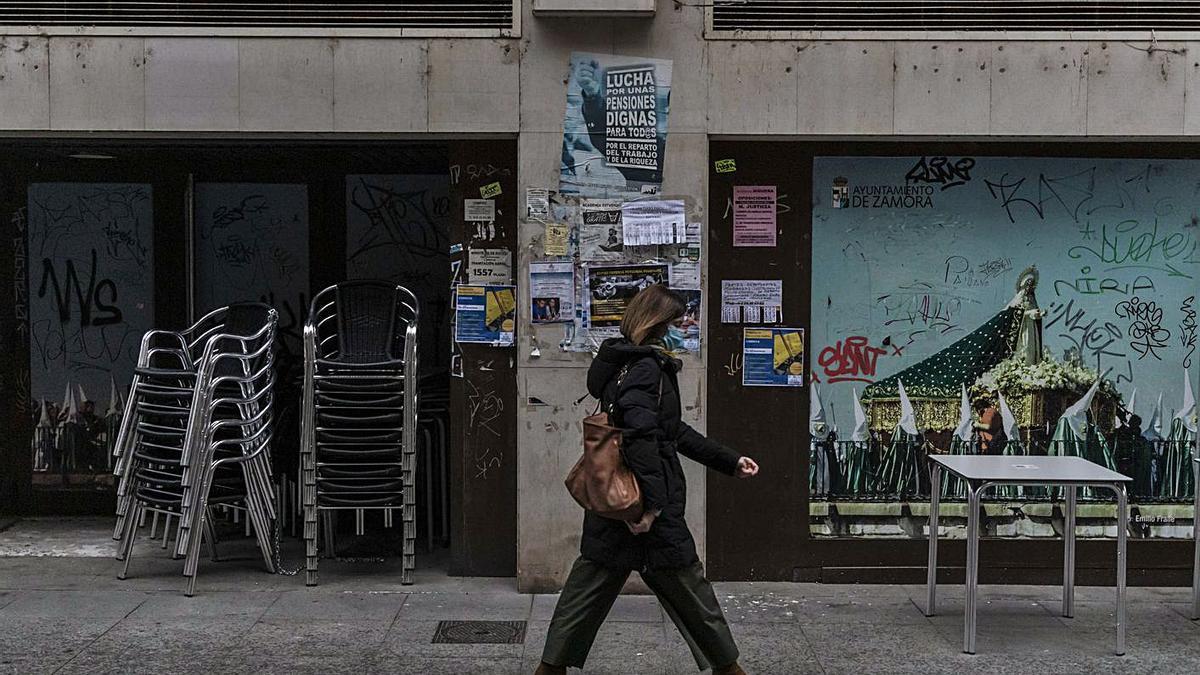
x: 614, y: 354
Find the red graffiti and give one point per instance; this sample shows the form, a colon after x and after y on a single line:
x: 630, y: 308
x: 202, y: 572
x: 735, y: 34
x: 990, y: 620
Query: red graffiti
x: 850, y: 360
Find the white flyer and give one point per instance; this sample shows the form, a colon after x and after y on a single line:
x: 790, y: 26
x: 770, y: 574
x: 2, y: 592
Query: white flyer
x: 751, y: 301
x: 479, y: 210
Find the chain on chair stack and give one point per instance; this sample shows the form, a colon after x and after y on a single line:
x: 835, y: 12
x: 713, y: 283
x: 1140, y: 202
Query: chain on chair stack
x: 197, y: 432
x: 359, y: 415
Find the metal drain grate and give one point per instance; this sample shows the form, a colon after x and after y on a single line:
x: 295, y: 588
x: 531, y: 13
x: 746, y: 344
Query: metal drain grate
x: 480, y: 632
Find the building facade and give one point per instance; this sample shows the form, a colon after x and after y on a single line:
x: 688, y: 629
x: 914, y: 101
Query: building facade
x: 1081, y: 162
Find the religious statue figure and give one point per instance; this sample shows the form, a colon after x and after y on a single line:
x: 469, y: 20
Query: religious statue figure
x: 1029, y: 336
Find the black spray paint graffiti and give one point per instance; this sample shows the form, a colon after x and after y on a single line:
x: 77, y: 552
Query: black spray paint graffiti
x: 20, y: 285
x: 101, y: 296
x: 1187, y: 330
x: 1097, y: 341
x: 408, y: 235
x: 252, y: 249
x: 941, y: 171
x: 1075, y: 193
x: 114, y: 209
x: 960, y: 272
x: 80, y: 349
x: 20, y: 306
x: 1146, y: 332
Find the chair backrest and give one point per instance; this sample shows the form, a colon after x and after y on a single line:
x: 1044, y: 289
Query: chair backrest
x: 366, y: 314
x: 362, y: 321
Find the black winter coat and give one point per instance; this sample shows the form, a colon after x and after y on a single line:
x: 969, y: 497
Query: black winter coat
x: 653, y: 432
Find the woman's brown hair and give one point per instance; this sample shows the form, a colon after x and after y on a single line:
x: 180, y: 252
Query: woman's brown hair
x: 653, y: 307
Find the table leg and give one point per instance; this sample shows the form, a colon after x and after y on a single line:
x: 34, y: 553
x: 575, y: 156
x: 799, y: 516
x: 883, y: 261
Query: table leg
x: 935, y: 480
x: 972, y: 567
x: 1122, y: 562
x: 1068, y: 609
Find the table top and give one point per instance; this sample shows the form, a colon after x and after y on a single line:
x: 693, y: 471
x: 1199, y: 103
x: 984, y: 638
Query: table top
x: 1032, y: 469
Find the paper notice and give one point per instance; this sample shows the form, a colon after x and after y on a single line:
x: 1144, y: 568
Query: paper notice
x: 492, y: 266
x: 554, y: 243
x: 600, y: 238
x: 551, y: 292
x: 754, y: 215
x: 537, y: 203
x: 685, y: 275
x: 611, y: 288
x: 479, y: 210
x: 751, y: 301
x: 773, y: 357
x: 654, y: 222
x: 485, y: 315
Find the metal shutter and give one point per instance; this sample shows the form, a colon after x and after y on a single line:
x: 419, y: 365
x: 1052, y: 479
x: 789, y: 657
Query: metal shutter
x: 762, y: 16
x: 297, y: 14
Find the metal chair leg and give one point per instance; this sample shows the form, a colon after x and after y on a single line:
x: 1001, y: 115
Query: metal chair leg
x: 210, y: 535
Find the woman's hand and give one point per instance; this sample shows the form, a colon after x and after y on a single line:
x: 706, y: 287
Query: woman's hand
x: 746, y: 467
x: 642, y: 526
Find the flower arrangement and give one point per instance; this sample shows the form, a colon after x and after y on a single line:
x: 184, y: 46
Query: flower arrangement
x: 1014, y: 378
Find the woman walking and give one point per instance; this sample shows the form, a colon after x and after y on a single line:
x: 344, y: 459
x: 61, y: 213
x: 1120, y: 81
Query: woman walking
x: 639, y: 376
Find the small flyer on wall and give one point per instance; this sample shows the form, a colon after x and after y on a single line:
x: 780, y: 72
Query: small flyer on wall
x: 691, y: 319
x: 751, y: 300
x: 600, y: 235
x: 551, y: 292
x: 490, y: 266
x: 485, y: 315
x: 654, y: 222
x: 754, y: 215
x: 773, y: 357
x: 479, y: 210
x: 610, y: 288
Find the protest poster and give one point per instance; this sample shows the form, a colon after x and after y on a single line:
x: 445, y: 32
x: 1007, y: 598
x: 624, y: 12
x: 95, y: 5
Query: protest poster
x: 773, y: 357
x: 610, y: 288
x: 485, y: 315
x: 551, y: 292
x: 615, y: 125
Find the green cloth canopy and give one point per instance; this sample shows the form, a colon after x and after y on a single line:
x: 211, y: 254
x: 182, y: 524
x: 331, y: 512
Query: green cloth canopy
x: 962, y: 363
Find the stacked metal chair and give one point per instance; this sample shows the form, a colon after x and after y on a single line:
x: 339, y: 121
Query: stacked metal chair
x: 197, y: 433
x: 434, y: 424
x: 359, y: 413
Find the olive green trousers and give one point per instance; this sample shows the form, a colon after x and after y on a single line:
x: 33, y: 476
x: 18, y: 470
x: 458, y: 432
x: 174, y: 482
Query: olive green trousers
x: 591, y: 590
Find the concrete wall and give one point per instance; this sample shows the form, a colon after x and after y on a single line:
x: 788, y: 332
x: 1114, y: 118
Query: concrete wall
x: 329, y: 86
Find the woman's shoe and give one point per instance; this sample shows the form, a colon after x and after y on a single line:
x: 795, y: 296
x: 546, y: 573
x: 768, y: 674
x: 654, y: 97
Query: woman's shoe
x: 731, y: 669
x: 547, y: 669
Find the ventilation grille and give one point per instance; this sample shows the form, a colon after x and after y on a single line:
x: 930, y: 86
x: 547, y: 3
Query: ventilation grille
x: 425, y: 14
x: 955, y: 15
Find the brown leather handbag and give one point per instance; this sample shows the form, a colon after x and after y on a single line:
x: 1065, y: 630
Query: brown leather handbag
x: 601, y: 481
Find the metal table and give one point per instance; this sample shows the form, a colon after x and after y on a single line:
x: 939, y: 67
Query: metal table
x: 981, y: 472
x: 1196, y: 538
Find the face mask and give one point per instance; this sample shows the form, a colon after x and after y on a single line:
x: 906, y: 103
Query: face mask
x: 673, y: 340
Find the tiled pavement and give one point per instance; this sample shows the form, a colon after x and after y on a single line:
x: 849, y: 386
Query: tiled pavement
x: 71, y: 615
